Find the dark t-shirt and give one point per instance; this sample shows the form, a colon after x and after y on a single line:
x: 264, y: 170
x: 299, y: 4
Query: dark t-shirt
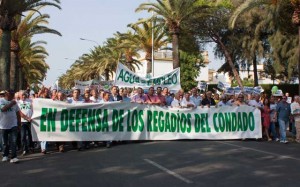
x: 208, y: 102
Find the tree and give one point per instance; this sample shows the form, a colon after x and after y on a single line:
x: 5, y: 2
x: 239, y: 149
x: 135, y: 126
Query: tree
x: 189, y: 69
x: 212, y: 26
x: 174, y: 13
x: 9, y: 9
x: 142, y: 38
x: 283, y: 14
x: 32, y: 24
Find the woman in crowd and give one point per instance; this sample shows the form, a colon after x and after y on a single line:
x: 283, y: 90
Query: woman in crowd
x: 266, y: 117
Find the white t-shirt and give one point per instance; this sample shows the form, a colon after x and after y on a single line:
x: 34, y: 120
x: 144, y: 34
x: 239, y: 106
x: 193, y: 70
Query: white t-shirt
x: 184, y: 103
x: 8, y: 119
x: 295, y: 109
x: 175, y: 103
x: 254, y: 103
x: 98, y: 100
x: 26, y: 108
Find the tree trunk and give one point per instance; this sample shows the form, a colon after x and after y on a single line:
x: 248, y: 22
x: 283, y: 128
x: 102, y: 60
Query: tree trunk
x: 175, y: 54
x: 5, y: 60
x: 149, y: 63
x: 106, y: 74
x: 14, y: 73
x: 21, y: 78
x: 236, y: 75
x: 255, y: 70
x: 149, y: 67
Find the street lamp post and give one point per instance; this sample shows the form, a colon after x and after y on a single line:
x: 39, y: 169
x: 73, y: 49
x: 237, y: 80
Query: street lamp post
x: 90, y: 41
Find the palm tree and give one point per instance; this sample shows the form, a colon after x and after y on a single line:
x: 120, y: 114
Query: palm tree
x: 33, y: 67
x: 29, y: 26
x: 174, y: 13
x: 142, y: 38
x: 9, y: 9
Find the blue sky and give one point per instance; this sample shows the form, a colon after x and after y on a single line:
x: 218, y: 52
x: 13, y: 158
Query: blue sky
x: 95, y: 20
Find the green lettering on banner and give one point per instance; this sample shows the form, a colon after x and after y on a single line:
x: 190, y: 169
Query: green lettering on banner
x: 189, y: 123
x: 221, y: 121
x: 149, y: 121
x: 183, y: 122
x: 98, y: 119
x: 121, y: 75
x: 64, y: 120
x: 174, y: 79
x: 161, y: 122
x: 105, y: 121
x: 251, y: 121
x: 91, y: 120
x: 228, y: 122
x: 245, y: 121
x: 115, y: 120
x: 197, y: 123
x: 233, y: 121
x: 141, y: 120
x: 135, y: 121
x: 128, y: 121
x: 208, y: 129
x: 240, y: 126
x: 51, y: 120
x: 155, y: 122
x: 84, y: 120
x: 173, y: 122
x: 72, y: 120
x: 167, y: 122
x: 43, y: 127
x: 178, y: 121
x: 78, y: 119
x: 215, y: 116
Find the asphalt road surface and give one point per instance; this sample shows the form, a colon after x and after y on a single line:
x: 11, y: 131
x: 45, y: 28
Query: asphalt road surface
x: 161, y: 163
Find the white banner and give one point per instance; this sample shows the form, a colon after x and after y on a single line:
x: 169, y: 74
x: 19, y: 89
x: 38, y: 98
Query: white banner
x: 59, y: 121
x: 126, y: 78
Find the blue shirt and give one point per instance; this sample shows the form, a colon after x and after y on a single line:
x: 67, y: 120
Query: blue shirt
x: 283, y: 110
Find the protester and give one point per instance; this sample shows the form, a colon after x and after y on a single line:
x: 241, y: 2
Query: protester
x: 195, y: 97
x: 186, y: 102
x: 139, y: 97
x: 273, y: 119
x: 169, y: 99
x: 176, y: 103
x: 223, y: 102
x: 26, y: 111
x: 208, y: 101
x: 115, y: 94
x: 295, y: 111
x: 10, y: 119
x: 95, y: 97
x: 283, y: 112
x: 151, y: 98
x: 125, y: 97
x: 161, y: 97
x: 266, y: 118
x: 240, y: 101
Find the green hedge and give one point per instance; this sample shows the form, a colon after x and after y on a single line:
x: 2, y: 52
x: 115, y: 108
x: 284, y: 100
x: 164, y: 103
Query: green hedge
x: 290, y: 88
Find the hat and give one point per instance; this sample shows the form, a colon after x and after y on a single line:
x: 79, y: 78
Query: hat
x: 2, y: 92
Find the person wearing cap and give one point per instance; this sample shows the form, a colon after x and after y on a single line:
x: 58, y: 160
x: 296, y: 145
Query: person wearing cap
x: 10, y: 119
x: 26, y: 112
x: 283, y: 112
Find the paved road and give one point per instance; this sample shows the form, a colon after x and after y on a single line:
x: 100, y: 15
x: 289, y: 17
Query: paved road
x: 162, y: 163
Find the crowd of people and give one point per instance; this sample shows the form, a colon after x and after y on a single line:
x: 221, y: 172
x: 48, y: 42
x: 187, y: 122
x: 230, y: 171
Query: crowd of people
x: 16, y: 111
